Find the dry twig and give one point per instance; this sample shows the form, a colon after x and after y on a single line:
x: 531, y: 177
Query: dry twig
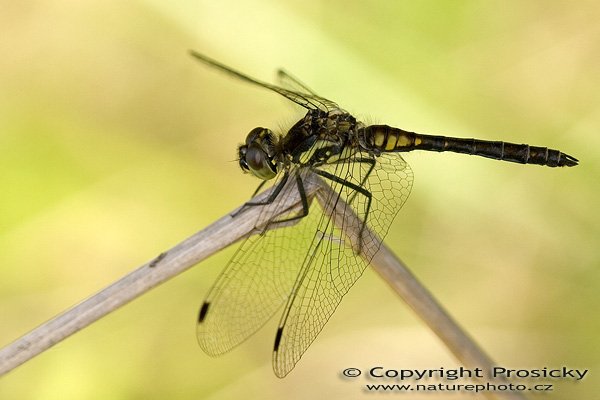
x: 417, y: 297
x: 219, y: 235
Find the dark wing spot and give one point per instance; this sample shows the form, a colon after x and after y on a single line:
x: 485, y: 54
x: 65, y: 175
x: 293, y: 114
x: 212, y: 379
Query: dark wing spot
x: 278, y: 339
x: 203, y: 311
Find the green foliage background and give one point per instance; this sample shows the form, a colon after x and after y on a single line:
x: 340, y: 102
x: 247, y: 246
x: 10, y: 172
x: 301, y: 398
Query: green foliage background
x: 115, y: 145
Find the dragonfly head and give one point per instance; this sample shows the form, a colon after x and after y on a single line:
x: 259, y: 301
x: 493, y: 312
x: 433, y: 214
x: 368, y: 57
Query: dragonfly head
x: 257, y: 155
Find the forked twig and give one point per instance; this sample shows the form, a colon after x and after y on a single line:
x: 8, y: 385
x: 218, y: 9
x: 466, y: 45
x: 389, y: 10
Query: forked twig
x: 219, y: 235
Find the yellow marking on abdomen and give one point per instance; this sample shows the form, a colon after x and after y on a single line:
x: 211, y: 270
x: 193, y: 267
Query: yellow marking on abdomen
x: 403, y: 141
x: 391, y: 142
x: 379, y: 139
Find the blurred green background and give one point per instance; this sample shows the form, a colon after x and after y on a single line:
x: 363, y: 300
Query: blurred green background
x: 116, y: 145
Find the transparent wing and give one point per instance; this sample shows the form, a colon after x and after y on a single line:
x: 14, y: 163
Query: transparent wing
x: 245, y: 296
x: 308, y: 102
x: 331, y: 266
x: 290, y: 82
x: 255, y: 283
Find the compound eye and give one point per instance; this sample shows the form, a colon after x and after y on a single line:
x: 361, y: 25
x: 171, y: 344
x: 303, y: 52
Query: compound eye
x: 242, y: 158
x: 256, y: 134
x: 259, y: 163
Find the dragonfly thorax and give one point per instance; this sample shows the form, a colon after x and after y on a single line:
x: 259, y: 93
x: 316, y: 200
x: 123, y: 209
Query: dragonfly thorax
x: 257, y: 155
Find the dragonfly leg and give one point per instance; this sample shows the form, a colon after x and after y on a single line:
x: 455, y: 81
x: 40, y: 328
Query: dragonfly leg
x: 303, y: 213
x: 358, y: 189
x: 371, y: 163
x: 364, y: 160
x: 305, y: 204
x: 269, y: 199
x: 258, y: 188
x: 274, y: 194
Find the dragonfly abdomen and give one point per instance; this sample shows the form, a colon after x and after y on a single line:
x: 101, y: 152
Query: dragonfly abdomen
x: 384, y: 138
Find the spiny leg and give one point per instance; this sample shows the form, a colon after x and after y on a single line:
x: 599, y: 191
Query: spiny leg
x: 358, y: 189
x: 303, y: 213
x: 235, y: 213
x: 269, y: 199
x: 303, y: 200
x: 364, y: 160
x: 370, y: 161
x: 258, y: 188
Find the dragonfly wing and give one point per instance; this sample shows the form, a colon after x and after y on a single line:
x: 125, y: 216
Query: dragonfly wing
x: 291, y: 83
x: 243, y: 298
x: 300, y: 98
x: 254, y: 285
x: 331, y: 266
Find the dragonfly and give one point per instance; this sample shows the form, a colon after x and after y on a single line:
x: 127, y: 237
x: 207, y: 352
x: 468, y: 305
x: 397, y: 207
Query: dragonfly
x: 306, y: 268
